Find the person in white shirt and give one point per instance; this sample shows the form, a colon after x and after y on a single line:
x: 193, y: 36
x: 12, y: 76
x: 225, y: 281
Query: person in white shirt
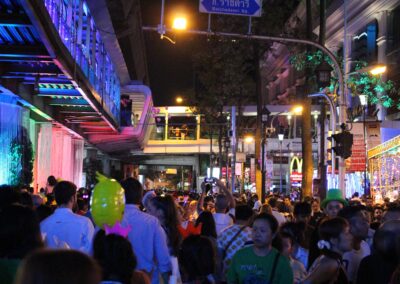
x: 273, y: 202
x: 359, y: 229
x: 147, y: 237
x: 65, y: 229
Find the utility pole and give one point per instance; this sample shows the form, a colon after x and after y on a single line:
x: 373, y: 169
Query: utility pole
x: 322, y: 117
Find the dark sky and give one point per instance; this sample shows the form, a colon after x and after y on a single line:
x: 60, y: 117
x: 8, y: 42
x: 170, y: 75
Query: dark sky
x: 169, y: 65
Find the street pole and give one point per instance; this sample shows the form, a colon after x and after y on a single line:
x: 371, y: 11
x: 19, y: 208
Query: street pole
x: 263, y: 163
x: 366, y: 188
x: 280, y: 167
x: 233, y: 146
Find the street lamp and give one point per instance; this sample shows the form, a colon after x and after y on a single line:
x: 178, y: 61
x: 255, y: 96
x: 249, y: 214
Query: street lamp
x: 179, y: 23
x: 364, y: 103
x: 264, y: 118
x: 280, y: 137
x: 179, y: 100
x: 323, y: 73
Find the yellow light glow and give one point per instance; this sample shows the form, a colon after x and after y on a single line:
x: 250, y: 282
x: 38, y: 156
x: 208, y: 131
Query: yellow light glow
x: 298, y: 109
x: 179, y: 23
x: 378, y: 70
x: 179, y: 100
x: 248, y: 139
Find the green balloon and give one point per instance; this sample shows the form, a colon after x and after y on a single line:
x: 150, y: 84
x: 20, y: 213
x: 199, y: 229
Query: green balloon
x: 107, y: 202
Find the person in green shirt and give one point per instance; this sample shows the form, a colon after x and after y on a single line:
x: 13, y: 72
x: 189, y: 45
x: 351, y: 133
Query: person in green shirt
x: 260, y: 263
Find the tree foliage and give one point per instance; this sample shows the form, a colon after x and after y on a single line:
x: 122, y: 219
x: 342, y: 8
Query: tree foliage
x: 377, y: 90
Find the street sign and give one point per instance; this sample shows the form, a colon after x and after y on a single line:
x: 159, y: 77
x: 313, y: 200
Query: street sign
x: 250, y: 8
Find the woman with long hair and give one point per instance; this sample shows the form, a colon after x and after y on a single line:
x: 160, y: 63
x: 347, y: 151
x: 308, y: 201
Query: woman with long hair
x: 164, y: 208
x: 335, y: 240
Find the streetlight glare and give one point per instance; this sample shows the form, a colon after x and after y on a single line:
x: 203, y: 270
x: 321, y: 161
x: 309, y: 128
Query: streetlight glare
x: 378, y: 70
x: 248, y: 139
x: 179, y: 100
x: 179, y: 23
x: 298, y: 109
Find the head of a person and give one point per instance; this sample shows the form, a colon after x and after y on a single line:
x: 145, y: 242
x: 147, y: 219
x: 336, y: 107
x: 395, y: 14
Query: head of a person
x: 65, y: 193
x: 336, y: 232
x: 386, y: 241
x: 207, y: 222
x: 58, y: 267
x: 295, y: 230
x: 164, y: 208
x: 51, y: 181
x: 302, y: 212
x: 266, y: 208
x: 254, y: 197
x: 192, y: 206
x: 8, y: 196
x: 315, y: 205
x: 26, y: 199
x: 333, y: 202
x: 378, y: 212
x: 287, y: 201
x: 287, y: 243
x: 147, y: 197
x: 243, y: 213
x: 359, y: 225
x: 197, y: 258
x: 264, y: 229
x: 115, y: 256
x: 392, y: 213
x: 19, y: 232
x: 273, y: 202
x: 209, y: 204
x: 221, y: 203
x: 133, y: 191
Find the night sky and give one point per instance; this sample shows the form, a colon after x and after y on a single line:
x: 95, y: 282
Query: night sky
x: 170, y: 65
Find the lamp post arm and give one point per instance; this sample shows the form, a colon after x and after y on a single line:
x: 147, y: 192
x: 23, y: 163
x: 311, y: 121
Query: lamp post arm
x: 276, y: 39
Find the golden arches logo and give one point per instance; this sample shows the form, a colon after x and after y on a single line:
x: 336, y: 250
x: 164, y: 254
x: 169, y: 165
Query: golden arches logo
x: 299, y: 164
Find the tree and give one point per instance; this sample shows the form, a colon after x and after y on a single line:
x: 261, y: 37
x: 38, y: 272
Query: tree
x: 228, y: 71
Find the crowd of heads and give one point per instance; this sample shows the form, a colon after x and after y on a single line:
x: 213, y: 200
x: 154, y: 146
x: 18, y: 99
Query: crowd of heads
x: 312, y: 232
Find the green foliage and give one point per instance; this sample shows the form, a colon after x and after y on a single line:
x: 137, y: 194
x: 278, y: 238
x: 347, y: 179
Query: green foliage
x: 359, y: 83
x: 21, y: 160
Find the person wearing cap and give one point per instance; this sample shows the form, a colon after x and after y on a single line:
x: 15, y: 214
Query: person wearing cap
x: 333, y: 202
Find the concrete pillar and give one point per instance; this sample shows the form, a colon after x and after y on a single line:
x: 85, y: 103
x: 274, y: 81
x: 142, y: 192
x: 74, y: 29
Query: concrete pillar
x: 381, y: 41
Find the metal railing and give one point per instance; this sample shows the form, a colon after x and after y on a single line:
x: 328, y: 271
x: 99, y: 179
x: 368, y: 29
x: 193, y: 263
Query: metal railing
x: 78, y: 32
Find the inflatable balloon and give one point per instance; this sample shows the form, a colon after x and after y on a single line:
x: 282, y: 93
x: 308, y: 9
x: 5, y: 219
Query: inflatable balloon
x: 107, y: 202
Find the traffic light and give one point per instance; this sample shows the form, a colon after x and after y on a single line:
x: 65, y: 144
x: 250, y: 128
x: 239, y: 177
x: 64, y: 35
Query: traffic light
x: 343, y: 144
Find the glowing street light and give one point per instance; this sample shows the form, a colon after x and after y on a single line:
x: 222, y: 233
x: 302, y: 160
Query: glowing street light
x: 248, y: 139
x: 298, y: 109
x: 377, y: 70
x: 179, y: 100
x: 179, y: 23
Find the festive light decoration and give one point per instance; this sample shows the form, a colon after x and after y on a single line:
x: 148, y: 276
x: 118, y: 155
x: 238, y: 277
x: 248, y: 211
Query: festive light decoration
x: 384, y: 166
x: 15, y: 147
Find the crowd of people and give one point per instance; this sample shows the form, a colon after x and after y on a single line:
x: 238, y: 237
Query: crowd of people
x: 209, y: 237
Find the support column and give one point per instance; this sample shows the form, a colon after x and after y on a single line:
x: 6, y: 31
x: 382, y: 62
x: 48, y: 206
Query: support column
x: 382, y: 18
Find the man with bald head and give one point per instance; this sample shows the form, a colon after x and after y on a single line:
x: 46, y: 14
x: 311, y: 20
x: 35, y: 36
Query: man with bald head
x: 378, y: 267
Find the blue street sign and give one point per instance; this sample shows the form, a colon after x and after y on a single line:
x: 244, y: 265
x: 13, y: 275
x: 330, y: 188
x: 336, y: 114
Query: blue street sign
x: 250, y: 8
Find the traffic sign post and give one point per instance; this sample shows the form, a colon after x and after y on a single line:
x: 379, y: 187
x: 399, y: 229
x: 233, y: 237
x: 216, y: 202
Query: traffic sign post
x: 249, y: 8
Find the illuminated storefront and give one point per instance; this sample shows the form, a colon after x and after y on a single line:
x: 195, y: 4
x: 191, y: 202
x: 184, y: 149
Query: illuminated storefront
x: 384, y: 169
